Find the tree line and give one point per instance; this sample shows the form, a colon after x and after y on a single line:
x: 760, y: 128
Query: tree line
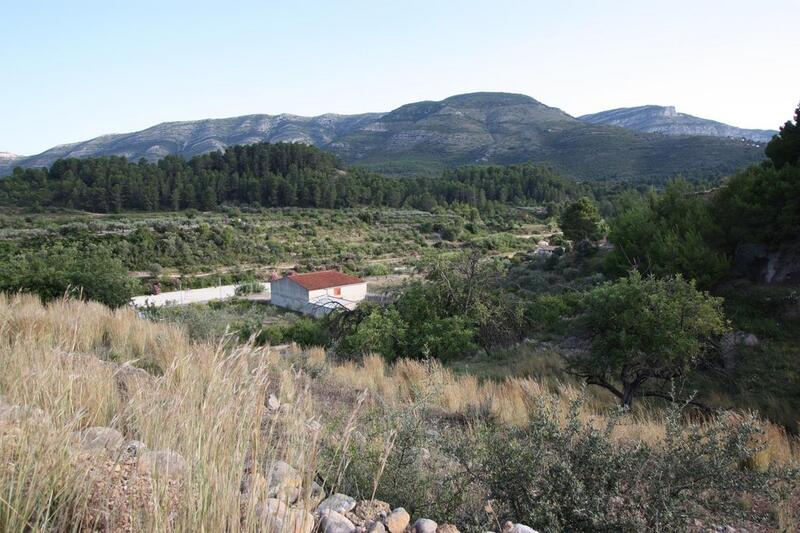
x: 273, y: 175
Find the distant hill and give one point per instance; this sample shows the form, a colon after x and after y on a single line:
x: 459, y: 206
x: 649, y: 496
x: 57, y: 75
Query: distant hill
x: 666, y: 120
x: 426, y: 137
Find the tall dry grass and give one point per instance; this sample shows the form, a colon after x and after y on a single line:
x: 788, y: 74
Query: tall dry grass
x: 72, y: 365
x: 67, y: 366
x: 511, y: 400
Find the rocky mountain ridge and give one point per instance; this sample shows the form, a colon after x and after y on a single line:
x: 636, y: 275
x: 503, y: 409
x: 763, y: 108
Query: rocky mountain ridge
x: 426, y: 137
x: 668, y: 121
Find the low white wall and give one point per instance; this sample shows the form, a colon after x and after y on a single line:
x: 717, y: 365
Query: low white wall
x: 188, y: 296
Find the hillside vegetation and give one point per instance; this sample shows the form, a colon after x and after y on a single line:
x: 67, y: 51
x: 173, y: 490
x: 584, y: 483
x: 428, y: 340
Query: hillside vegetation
x: 204, y: 435
x: 270, y: 175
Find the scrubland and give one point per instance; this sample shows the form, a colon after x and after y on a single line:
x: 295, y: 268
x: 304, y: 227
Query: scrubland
x: 446, y: 446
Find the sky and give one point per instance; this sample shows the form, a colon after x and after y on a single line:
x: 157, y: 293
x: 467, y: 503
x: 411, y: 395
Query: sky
x: 73, y: 70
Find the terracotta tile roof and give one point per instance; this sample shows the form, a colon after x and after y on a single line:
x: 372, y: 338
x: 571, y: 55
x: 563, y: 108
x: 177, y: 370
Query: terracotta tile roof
x: 323, y: 280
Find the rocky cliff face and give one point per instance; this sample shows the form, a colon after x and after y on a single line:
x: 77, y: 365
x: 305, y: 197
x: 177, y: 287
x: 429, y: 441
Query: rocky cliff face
x: 666, y: 120
x: 761, y: 263
x: 427, y: 136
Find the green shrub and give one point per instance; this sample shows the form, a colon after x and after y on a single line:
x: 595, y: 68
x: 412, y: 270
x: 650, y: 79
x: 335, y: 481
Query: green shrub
x: 563, y: 475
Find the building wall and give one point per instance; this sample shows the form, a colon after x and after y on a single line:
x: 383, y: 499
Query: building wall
x: 351, y: 293
x: 288, y: 294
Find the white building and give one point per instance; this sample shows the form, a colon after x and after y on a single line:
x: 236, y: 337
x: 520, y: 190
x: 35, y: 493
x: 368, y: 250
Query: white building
x: 318, y: 293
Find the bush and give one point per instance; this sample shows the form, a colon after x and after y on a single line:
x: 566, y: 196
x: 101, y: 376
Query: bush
x: 307, y: 332
x: 93, y: 274
x: 570, y: 476
x: 376, y: 269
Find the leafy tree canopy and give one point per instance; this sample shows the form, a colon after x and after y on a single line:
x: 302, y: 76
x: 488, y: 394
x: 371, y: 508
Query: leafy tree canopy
x: 458, y: 308
x: 668, y: 233
x: 784, y: 148
x: 581, y: 220
x: 646, y: 330
x: 92, y: 274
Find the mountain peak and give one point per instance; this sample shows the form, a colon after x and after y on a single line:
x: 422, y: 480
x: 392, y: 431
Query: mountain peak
x: 667, y: 121
x: 490, y: 99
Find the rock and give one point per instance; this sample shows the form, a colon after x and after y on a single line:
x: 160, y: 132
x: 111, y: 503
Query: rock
x: 447, y: 528
x: 315, y: 496
x: 163, y: 463
x: 19, y: 413
x: 768, y: 264
x: 398, y: 520
x: 333, y: 522
x: 100, y: 438
x: 273, y: 403
x: 509, y: 527
x: 341, y: 503
x: 277, y: 517
x: 750, y: 340
x: 133, y: 449
x: 376, y: 527
x: 424, y: 525
x: 367, y: 511
x: 728, y: 346
x: 283, y: 482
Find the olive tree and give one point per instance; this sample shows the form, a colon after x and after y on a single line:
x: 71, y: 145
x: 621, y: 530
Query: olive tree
x: 646, y: 331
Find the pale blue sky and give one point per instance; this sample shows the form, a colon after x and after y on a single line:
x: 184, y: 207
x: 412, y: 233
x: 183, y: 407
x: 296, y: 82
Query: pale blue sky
x: 76, y: 69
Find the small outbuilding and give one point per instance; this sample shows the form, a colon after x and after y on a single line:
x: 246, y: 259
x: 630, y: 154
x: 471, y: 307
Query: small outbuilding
x: 318, y: 293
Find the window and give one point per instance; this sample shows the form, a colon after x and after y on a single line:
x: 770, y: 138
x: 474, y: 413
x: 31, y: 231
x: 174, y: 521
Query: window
x: 337, y: 291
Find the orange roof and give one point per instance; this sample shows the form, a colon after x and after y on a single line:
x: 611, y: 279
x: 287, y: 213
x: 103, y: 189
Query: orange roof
x: 323, y: 280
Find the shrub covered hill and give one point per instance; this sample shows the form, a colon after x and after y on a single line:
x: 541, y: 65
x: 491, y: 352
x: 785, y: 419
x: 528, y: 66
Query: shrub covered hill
x: 426, y: 137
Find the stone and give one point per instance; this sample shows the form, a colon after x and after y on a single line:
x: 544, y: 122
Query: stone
x: 425, y: 525
x: 133, y: 449
x: 376, y: 527
x: 447, y: 528
x: 101, y: 438
x: 333, y: 522
x: 283, y: 482
x: 367, y: 511
x: 163, y: 463
x: 273, y: 403
x: 341, y: 503
x: 750, y: 340
x: 510, y: 527
x: 277, y: 517
x: 316, y: 495
x: 398, y: 520
x: 18, y: 413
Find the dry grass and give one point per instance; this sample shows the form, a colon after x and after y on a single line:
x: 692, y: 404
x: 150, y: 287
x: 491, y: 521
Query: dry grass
x: 62, y: 373
x: 72, y: 365
x: 510, y: 401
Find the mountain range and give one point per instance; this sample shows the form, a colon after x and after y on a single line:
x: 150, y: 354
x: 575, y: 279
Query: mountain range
x: 426, y: 137
x: 666, y: 120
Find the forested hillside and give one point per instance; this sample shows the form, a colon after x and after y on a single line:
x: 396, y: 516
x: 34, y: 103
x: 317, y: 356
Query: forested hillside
x: 269, y: 175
